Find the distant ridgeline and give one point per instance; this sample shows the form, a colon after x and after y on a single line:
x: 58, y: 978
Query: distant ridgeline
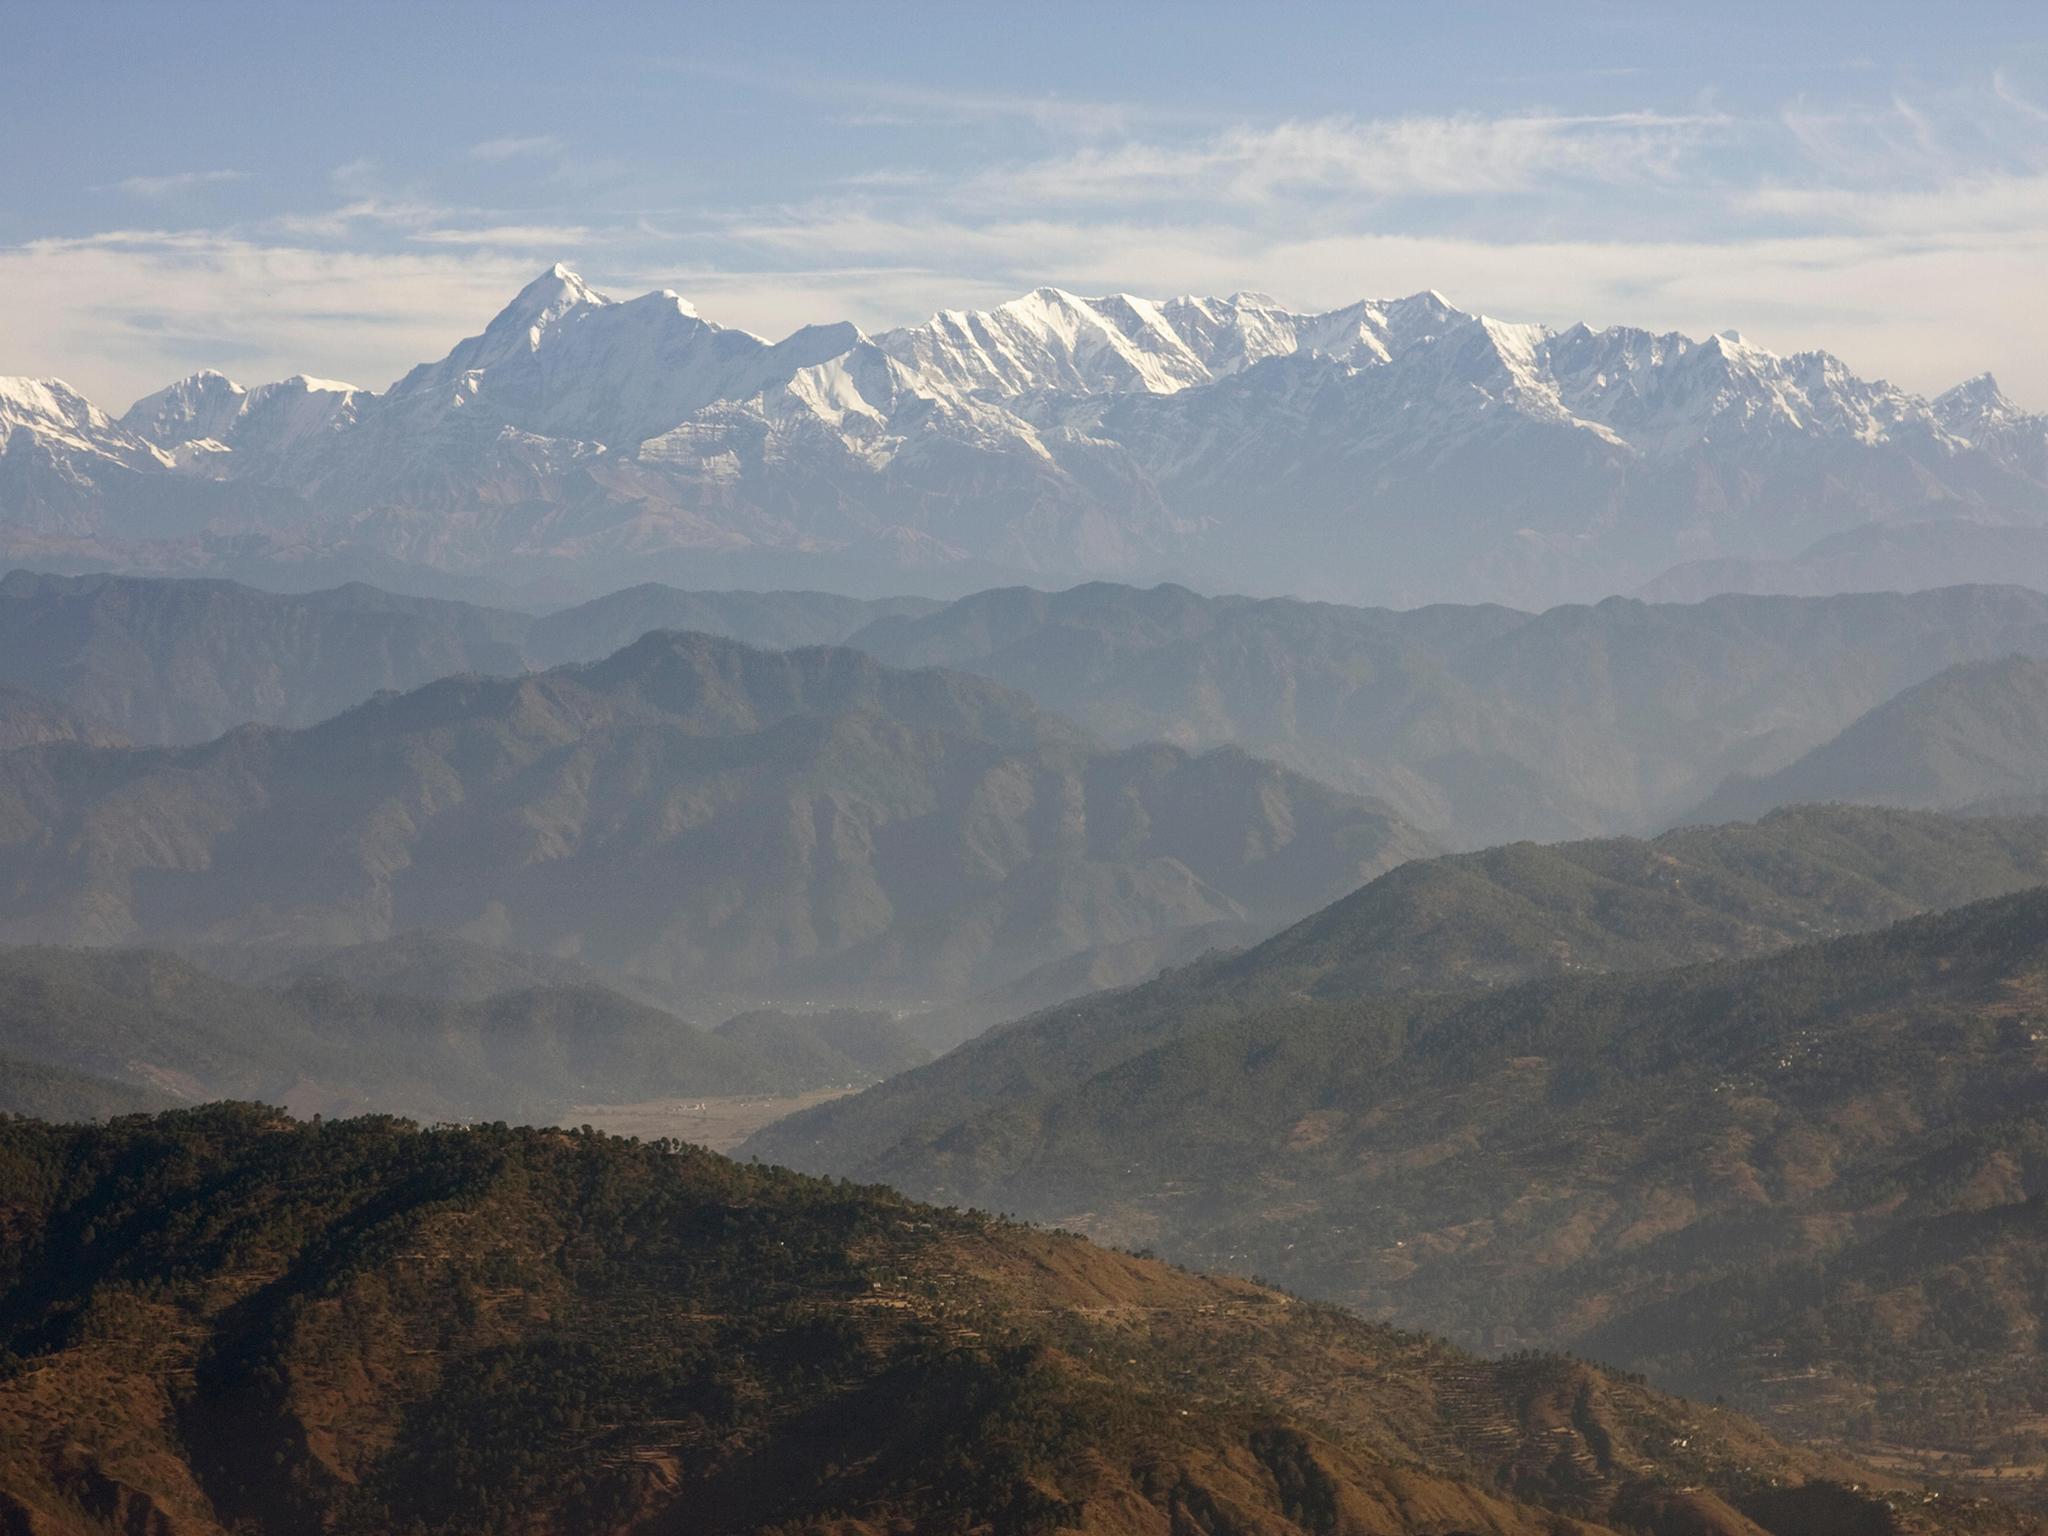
x: 1477, y: 724
x: 1392, y: 451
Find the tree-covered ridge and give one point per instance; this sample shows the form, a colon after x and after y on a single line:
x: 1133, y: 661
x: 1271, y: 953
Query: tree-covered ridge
x: 1810, y: 1180
x: 222, y: 1320
x: 1487, y: 919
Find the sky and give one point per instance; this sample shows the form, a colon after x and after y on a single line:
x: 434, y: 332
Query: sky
x: 347, y: 190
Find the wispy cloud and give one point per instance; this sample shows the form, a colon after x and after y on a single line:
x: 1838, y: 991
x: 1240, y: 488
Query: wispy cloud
x: 1417, y: 156
x: 516, y: 148
x: 359, y: 176
x: 157, y: 188
x: 552, y: 154
x: 372, y: 201
x: 1966, y: 205
x: 553, y: 238
x: 120, y: 312
x: 898, y: 104
x: 337, y: 222
x: 2003, y: 88
x: 1905, y: 232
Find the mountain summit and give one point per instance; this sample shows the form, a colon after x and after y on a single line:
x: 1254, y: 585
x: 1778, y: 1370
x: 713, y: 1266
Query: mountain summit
x: 1394, y: 450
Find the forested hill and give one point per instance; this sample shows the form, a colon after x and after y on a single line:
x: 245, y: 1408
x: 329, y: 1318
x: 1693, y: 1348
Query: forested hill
x: 222, y: 1321
x: 1810, y: 1181
x: 1474, y: 921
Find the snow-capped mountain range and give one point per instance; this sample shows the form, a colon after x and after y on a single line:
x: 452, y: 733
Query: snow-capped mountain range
x: 1394, y: 451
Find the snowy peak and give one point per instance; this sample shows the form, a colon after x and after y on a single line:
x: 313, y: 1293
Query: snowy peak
x: 49, y: 403
x: 203, y: 405
x: 564, y: 361
x: 815, y: 344
x: 283, y: 415
x: 1053, y: 340
x: 535, y: 310
x: 1054, y: 433
x: 56, y: 418
x: 1049, y: 340
x: 1232, y: 334
x: 201, y: 419
x: 1975, y: 404
x: 549, y: 296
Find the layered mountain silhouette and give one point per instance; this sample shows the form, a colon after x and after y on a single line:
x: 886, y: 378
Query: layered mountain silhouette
x: 1880, y: 557
x: 159, y: 1030
x: 1480, y: 724
x: 1388, y: 451
x: 222, y: 1320
x: 1473, y: 922
x: 172, y: 662
x: 1808, y: 1180
x: 1972, y: 734
x: 690, y: 811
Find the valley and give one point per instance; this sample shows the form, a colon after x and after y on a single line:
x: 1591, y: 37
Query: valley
x: 714, y: 1123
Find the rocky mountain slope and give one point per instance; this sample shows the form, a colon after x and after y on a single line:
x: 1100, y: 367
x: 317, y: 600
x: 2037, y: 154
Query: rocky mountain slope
x: 221, y: 1321
x: 28, y: 720
x: 689, y: 811
x: 1398, y: 451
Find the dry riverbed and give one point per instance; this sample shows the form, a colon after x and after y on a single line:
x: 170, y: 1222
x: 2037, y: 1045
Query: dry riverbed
x: 720, y: 1124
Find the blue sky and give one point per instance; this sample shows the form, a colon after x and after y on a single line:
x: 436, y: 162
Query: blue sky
x: 345, y: 190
